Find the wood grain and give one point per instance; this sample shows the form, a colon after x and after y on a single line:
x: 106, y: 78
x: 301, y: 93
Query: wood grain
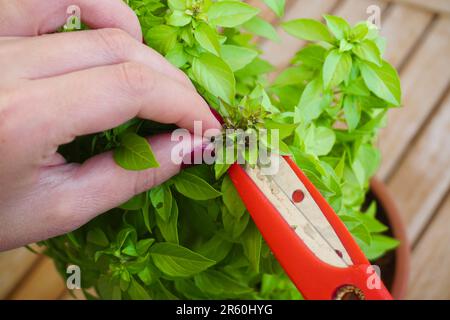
x: 430, y: 276
x: 14, y: 264
x: 43, y: 283
x: 424, y: 80
x: 73, y: 295
x: 356, y: 10
x: 423, y: 176
x: 440, y: 6
x: 402, y: 27
x: 279, y: 54
x: 266, y: 13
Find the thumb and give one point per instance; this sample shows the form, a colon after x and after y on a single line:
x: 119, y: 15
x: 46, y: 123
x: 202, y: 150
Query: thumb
x: 100, y: 184
x: 30, y: 18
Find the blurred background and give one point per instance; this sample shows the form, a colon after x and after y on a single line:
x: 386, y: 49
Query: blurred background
x: 415, y: 145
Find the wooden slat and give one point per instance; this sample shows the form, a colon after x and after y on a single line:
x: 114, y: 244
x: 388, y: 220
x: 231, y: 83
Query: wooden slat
x: 14, y: 264
x: 430, y: 265
x: 402, y: 27
x: 424, y: 80
x: 423, y: 177
x: 43, y: 282
x: 265, y: 13
x: 440, y: 6
x: 68, y: 296
x: 356, y: 10
x: 279, y: 54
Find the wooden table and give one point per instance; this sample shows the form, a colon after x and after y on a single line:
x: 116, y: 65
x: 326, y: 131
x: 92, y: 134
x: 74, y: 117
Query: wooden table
x: 415, y: 145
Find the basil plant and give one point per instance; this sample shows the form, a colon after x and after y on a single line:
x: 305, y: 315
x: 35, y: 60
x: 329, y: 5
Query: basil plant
x: 191, y: 237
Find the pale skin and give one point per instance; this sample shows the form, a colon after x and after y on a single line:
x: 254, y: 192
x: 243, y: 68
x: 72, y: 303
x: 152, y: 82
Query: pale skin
x: 55, y: 87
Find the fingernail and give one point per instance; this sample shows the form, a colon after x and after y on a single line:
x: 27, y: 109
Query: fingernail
x: 199, y: 144
x: 216, y: 115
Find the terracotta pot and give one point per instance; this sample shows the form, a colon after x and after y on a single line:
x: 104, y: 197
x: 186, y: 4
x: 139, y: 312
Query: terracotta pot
x: 395, y: 264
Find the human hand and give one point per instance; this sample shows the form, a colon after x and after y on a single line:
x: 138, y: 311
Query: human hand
x: 56, y: 87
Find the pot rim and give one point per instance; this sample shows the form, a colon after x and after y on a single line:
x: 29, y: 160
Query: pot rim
x: 402, y: 253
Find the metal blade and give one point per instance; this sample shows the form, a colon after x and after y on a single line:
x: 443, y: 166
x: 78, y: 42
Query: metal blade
x: 304, y: 217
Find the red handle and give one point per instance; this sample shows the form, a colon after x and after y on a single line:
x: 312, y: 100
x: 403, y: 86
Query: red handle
x: 314, y: 278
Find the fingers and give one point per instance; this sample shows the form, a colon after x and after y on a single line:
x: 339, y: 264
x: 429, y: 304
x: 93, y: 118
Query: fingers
x: 30, y: 17
x: 98, y: 99
x: 68, y: 196
x: 55, y: 54
x: 100, y: 184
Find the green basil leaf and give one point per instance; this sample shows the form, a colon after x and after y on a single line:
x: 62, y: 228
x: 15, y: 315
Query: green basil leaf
x: 365, y: 163
x: 312, y: 56
x: 357, y: 229
x: 145, y: 211
x: 146, y: 276
x: 160, y: 292
x: 162, y: 38
x: 308, y: 29
x: 230, y: 13
x: 284, y: 129
x: 352, y: 112
x: 234, y: 226
x: 178, y: 19
x: 135, y: 153
x: 357, y: 87
x: 372, y: 224
x: 339, y: 169
x: 135, y: 203
x: 177, y: 56
x: 107, y: 290
x: 262, y: 28
x: 177, y: 4
x: 169, y: 228
x: 359, y: 31
x: 312, y: 103
x: 252, y: 241
x: 378, y: 246
x: 216, y: 248
x: 137, y: 292
x: 237, y: 57
x: 294, y: 76
x: 255, y: 68
x: 380, y: 42
x: 208, y: 38
x: 382, y: 81
x: 194, y: 187
x: 98, y: 237
x: 220, y: 169
x: 130, y: 249
x: 189, y: 290
x: 319, y: 141
x: 215, y: 76
x: 177, y: 261
x: 217, y: 283
x: 275, y: 286
x: 338, y: 26
x: 231, y: 198
x: 368, y: 51
x: 161, y: 198
x: 344, y: 45
x: 336, y: 68
x: 143, y: 246
x: 277, y: 6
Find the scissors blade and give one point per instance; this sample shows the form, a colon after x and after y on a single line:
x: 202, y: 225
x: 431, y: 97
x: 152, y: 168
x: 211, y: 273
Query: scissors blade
x: 304, y: 217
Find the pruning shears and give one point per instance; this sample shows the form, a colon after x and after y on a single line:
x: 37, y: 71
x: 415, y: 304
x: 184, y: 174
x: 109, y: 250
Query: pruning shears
x: 304, y: 233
